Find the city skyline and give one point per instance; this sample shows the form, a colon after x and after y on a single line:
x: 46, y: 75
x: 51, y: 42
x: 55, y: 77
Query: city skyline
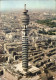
x: 31, y: 4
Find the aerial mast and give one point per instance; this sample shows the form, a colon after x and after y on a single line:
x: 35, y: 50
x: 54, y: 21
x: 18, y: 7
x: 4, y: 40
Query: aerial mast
x: 55, y: 6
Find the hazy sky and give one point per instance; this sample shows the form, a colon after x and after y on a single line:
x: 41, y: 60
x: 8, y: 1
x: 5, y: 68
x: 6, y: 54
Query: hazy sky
x: 31, y: 4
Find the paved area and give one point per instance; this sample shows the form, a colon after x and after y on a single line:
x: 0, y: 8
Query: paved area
x: 2, y: 78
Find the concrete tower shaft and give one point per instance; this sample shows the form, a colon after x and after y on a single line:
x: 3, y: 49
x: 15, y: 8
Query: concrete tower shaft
x: 25, y: 22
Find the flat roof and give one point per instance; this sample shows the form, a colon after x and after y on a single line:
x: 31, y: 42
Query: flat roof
x: 31, y: 68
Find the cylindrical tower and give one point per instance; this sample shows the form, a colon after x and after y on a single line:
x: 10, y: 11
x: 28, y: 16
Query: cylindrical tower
x: 25, y: 21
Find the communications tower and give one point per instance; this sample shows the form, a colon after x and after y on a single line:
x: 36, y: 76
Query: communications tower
x: 25, y: 22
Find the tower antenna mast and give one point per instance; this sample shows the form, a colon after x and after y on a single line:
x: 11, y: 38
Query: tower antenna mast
x: 25, y: 6
x: 55, y: 6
